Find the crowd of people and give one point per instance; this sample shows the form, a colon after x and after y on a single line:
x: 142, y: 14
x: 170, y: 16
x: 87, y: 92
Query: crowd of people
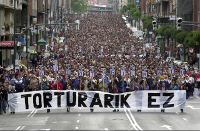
x: 102, y: 55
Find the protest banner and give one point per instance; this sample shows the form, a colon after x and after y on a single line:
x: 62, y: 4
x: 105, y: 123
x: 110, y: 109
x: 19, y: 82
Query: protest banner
x: 53, y: 99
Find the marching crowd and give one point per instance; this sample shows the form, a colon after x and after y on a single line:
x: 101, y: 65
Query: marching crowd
x: 102, y: 55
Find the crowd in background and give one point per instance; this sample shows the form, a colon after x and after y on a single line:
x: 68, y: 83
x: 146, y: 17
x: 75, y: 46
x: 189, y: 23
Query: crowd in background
x: 101, y: 41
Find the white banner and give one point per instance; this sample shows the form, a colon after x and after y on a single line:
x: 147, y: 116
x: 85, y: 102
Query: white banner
x: 140, y: 100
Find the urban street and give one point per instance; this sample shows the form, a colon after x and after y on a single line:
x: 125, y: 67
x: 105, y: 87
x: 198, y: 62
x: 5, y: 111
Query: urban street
x: 99, y: 65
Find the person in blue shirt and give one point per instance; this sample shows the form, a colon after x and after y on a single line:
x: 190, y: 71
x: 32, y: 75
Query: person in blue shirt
x: 173, y: 86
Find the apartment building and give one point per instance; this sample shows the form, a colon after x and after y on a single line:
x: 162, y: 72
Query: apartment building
x: 25, y: 12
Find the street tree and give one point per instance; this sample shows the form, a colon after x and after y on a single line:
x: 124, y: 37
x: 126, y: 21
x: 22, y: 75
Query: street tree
x: 190, y: 40
x: 167, y: 32
x: 181, y: 38
x: 79, y: 5
x: 197, y: 36
x: 147, y: 22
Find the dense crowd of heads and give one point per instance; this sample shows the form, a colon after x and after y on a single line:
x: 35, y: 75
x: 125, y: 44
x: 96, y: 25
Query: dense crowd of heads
x: 102, y: 39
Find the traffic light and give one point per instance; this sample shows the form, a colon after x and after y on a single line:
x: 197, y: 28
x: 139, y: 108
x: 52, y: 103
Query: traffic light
x: 179, y: 22
x: 154, y: 25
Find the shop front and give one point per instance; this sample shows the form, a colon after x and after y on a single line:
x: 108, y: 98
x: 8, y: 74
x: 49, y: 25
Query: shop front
x: 7, y: 53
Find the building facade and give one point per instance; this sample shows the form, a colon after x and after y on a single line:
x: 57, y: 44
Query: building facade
x: 46, y: 11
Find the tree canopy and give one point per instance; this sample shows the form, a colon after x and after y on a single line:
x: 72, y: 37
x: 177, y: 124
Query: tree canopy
x: 147, y: 22
x: 79, y: 5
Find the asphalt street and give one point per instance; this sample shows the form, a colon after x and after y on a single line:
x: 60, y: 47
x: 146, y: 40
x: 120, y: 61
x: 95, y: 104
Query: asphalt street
x: 79, y: 119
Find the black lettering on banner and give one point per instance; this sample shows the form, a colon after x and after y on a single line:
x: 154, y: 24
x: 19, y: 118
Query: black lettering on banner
x: 96, y: 100
x: 47, y: 99
x: 81, y: 100
x: 116, y: 101
x: 26, y: 96
x: 73, y: 101
x: 108, y: 98
x: 150, y: 100
x: 166, y: 104
x: 59, y: 94
x: 124, y: 101
x: 37, y: 106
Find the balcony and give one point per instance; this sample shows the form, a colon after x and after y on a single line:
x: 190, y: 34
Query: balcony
x: 2, y: 32
x: 9, y: 30
x: 4, y: 3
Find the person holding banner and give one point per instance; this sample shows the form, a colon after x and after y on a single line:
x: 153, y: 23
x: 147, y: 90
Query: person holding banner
x: 33, y: 83
x: 115, y: 91
x: 91, y: 95
x: 4, y: 99
x: 71, y: 96
x: 139, y: 95
x: 103, y: 86
x: 173, y: 86
x: 58, y: 85
x: 12, y: 107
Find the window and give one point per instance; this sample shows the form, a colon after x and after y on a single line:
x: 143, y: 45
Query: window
x: 11, y: 2
x: 171, y: 7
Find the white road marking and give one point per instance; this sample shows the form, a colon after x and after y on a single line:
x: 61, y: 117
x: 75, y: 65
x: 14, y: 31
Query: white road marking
x: 185, y: 119
x: 55, y: 122
x: 18, y: 128
x: 76, y: 128
x: 167, y: 126
x: 45, y: 129
x: 192, y: 107
x: 197, y: 97
x: 78, y: 121
x: 30, y: 113
x: 79, y: 114
x: 134, y: 121
x: 34, y: 113
x: 193, y: 102
x: 106, y: 129
x: 79, y: 108
x: 130, y: 120
x: 177, y: 113
x: 22, y: 127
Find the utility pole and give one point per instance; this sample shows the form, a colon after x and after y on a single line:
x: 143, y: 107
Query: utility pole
x: 15, y: 46
x: 45, y: 15
x: 175, y: 18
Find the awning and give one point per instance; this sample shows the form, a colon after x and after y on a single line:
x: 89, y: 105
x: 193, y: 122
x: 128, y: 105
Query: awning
x: 9, y: 44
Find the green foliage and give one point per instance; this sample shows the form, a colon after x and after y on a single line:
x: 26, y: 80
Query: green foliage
x: 147, y: 22
x: 79, y: 5
x: 146, y: 18
x: 197, y: 36
x: 147, y: 25
x: 190, y: 40
x: 136, y: 14
x: 110, y: 2
x: 180, y: 37
x: 167, y: 31
x: 131, y: 5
